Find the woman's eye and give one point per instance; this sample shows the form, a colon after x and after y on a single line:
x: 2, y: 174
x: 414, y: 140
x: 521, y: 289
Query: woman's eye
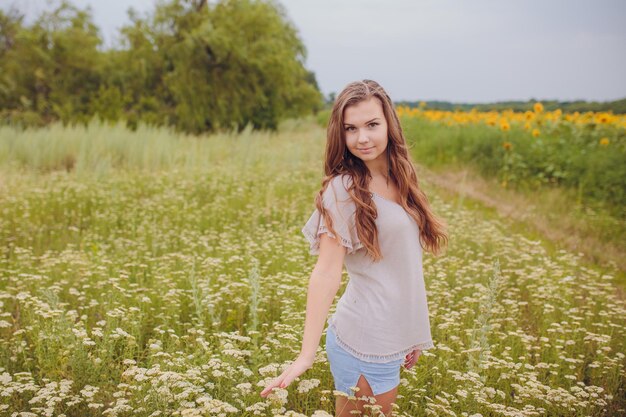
x: 349, y: 128
x: 373, y: 124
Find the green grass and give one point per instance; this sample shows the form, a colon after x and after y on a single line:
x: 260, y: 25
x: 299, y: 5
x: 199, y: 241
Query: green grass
x: 563, y: 156
x: 176, y: 282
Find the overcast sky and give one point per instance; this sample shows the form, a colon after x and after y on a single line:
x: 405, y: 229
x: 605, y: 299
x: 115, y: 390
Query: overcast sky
x: 455, y: 50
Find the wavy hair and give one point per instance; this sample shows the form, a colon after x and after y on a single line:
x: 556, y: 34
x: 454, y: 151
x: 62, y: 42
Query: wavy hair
x: 339, y: 160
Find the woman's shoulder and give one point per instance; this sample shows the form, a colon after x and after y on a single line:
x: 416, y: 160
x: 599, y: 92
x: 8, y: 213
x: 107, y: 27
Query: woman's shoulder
x: 341, y: 182
x: 338, y: 187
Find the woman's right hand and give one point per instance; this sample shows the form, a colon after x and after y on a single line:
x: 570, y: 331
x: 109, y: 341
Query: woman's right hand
x: 411, y: 358
x: 297, y: 368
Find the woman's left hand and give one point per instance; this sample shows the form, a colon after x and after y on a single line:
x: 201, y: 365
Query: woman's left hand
x: 411, y: 358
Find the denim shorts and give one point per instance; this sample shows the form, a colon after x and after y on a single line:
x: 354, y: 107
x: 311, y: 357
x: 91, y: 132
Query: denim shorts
x: 347, y: 368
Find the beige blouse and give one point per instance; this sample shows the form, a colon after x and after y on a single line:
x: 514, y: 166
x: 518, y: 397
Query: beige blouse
x: 383, y: 313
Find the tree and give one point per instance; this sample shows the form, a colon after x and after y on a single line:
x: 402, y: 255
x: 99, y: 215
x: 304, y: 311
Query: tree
x: 51, y: 68
x: 232, y: 63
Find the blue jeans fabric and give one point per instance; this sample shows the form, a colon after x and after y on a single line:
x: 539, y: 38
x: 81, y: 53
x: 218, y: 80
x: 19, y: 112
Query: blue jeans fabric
x: 346, y: 369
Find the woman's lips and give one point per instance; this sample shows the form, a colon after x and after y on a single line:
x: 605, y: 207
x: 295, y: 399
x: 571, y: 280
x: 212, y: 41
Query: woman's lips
x: 367, y: 150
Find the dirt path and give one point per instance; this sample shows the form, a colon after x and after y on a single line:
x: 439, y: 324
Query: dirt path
x: 464, y: 183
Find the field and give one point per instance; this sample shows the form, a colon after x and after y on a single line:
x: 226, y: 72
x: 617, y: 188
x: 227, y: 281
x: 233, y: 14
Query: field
x: 150, y: 273
x: 584, y: 152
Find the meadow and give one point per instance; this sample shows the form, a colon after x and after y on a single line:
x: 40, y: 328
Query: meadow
x: 151, y: 273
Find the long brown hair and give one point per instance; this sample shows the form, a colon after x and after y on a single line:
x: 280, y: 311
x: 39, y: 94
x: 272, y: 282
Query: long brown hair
x: 339, y: 160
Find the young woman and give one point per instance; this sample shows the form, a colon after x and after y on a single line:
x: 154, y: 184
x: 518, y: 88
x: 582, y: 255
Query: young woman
x: 371, y: 215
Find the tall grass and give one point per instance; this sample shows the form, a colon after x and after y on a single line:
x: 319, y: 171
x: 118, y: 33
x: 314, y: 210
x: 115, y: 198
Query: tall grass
x: 101, y: 149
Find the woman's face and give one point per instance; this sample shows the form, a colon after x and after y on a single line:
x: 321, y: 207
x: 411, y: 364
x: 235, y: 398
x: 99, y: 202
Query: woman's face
x: 365, y: 129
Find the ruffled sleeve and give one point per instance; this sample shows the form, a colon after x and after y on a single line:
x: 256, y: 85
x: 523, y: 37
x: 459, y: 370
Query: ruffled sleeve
x: 340, y: 206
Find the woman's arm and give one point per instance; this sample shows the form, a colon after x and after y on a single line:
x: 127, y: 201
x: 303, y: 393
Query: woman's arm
x: 324, y: 283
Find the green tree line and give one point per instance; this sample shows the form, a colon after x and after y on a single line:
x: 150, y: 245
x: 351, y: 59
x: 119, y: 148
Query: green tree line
x: 616, y: 106
x: 190, y: 64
